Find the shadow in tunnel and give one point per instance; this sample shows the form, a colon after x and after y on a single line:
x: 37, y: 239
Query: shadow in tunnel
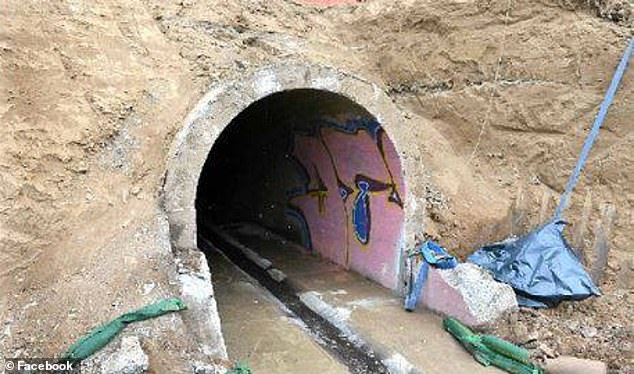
x: 315, y: 168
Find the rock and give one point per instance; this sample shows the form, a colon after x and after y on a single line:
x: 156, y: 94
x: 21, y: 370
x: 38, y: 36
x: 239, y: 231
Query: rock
x: 80, y: 168
x: 572, y: 325
x: 208, y: 368
x: 128, y: 359
x: 589, y: 332
x: 148, y: 287
x: 531, y: 336
x: 468, y: 293
x: 520, y: 332
x: 548, y: 352
x: 573, y: 365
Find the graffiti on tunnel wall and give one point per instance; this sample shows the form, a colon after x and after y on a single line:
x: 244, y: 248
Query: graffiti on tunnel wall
x: 349, y: 205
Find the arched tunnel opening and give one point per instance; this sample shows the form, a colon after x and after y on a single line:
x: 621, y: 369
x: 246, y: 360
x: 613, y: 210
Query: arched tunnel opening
x: 315, y: 168
x: 302, y: 190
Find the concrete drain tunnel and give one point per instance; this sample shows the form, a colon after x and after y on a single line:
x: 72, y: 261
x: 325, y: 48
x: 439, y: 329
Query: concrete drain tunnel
x: 315, y: 168
x: 302, y: 186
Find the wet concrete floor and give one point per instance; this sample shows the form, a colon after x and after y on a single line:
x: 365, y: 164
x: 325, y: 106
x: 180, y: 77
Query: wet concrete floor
x: 371, y: 311
x: 259, y: 332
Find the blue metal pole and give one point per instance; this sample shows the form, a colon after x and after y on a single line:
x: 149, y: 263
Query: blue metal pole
x: 587, y: 145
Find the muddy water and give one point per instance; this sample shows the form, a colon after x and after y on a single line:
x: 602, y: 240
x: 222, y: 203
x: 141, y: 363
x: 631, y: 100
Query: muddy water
x: 259, y: 332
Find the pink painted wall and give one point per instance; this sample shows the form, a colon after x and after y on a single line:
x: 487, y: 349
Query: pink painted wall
x: 330, y: 219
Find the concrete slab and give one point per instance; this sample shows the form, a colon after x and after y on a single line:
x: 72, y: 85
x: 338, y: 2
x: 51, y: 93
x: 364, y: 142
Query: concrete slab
x: 258, y: 331
x: 372, y: 311
x: 468, y: 293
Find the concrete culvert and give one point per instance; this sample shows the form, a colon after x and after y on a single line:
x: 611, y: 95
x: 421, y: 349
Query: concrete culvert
x: 317, y: 160
x: 301, y: 179
x: 315, y: 168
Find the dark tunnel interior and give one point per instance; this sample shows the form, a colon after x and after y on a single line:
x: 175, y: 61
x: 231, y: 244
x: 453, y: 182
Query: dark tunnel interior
x: 316, y: 168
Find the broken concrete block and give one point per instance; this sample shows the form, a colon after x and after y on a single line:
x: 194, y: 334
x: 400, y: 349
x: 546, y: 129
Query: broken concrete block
x: 469, y: 294
x: 128, y: 359
x: 573, y: 365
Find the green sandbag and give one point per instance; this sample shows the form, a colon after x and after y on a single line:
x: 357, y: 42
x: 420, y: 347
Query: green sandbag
x: 102, y: 335
x: 240, y: 368
x: 505, y: 348
x: 491, y: 350
x: 457, y: 329
x: 512, y: 366
x: 466, y: 338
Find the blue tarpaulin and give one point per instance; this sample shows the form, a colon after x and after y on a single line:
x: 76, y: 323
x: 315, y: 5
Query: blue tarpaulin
x: 540, y: 266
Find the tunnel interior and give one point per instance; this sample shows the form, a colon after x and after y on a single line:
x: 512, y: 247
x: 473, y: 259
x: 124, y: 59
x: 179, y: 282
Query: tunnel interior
x: 315, y: 168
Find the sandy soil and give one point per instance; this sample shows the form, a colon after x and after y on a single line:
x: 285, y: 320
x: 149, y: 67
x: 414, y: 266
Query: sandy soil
x: 91, y: 94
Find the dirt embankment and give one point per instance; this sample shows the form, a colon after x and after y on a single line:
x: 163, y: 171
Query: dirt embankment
x: 89, y: 95
x: 92, y: 93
